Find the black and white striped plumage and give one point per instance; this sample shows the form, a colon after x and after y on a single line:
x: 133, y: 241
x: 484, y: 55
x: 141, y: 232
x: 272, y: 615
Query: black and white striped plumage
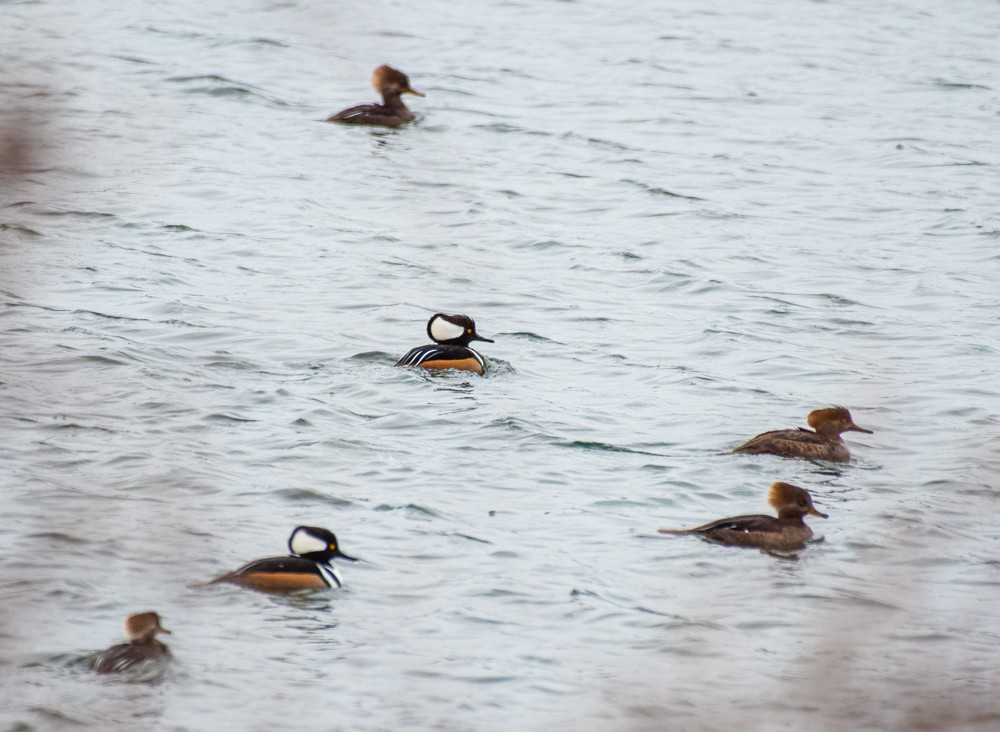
x: 424, y: 354
x: 308, y: 568
x: 451, y: 335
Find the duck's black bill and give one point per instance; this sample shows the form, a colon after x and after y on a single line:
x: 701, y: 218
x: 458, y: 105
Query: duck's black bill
x: 477, y: 337
x: 855, y: 428
x: 348, y: 557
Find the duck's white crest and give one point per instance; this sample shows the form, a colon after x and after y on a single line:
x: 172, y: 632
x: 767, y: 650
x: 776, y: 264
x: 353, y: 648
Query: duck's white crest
x: 442, y: 330
x: 304, y: 543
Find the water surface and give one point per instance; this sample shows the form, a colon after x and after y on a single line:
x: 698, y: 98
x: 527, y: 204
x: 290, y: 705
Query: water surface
x: 683, y: 224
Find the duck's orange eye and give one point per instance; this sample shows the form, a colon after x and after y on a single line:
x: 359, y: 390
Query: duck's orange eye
x: 333, y: 547
x: 470, y: 330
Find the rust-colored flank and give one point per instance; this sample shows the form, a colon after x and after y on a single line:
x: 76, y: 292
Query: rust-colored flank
x: 468, y: 364
x: 278, y: 581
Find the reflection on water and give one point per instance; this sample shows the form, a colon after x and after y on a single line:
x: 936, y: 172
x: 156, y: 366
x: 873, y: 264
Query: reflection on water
x: 683, y: 224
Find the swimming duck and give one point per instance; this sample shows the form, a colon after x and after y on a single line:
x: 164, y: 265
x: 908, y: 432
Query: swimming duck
x: 143, y: 648
x: 451, y: 335
x: 391, y: 84
x: 308, y: 567
x: 787, y: 531
x: 823, y: 444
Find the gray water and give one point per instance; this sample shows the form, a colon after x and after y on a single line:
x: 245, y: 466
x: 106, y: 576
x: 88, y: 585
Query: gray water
x: 683, y: 223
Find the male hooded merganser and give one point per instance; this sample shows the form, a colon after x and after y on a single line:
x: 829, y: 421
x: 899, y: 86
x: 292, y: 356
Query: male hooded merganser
x: 823, y: 444
x: 788, y: 531
x: 391, y: 84
x: 141, y: 630
x: 308, y: 567
x: 451, y: 335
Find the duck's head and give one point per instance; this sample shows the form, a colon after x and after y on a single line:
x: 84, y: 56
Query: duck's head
x: 390, y: 82
x: 453, y: 330
x: 790, y: 501
x: 833, y: 421
x: 142, y: 627
x: 312, y: 542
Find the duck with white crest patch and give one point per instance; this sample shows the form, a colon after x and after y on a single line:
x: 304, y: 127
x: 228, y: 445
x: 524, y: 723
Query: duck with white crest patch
x: 451, y: 335
x: 308, y: 568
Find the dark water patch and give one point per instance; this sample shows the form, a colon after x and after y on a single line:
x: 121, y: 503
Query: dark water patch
x: 655, y: 190
x: 58, y: 537
x: 944, y: 84
x: 126, y: 460
x: 134, y: 60
x: 546, y: 245
x: 594, y: 446
x: 374, y: 357
x: 515, y: 425
x: 660, y: 469
x: 224, y: 418
x: 411, y: 508
x: 184, y: 34
x: 505, y: 554
x: 762, y: 624
x: 506, y: 128
x: 220, y: 86
x: 100, y: 360
x: 620, y: 503
x: 19, y: 229
x: 470, y: 538
x: 407, y: 264
x: 235, y: 364
x: 98, y: 315
x: 527, y: 335
x: 253, y: 42
x: 71, y: 426
x: 70, y: 213
x: 394, y: 34
x: 308, y: 495
x: 596, y: 141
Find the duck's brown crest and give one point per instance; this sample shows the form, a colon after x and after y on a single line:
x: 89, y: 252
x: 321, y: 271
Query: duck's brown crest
x: 785, y: 494
x: 386, y: 75
x: 143, y: 625
x: 829, y: 414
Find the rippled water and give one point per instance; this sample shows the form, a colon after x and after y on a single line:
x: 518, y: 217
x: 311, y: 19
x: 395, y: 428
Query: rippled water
x: 684, y: 223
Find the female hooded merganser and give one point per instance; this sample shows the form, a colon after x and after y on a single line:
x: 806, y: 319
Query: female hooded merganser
x: 823, y: 444
x: 788, y: 531
x: 142, y: 648
x: 391, y: 84
x: 308, y: 567
x: 451, y: 335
